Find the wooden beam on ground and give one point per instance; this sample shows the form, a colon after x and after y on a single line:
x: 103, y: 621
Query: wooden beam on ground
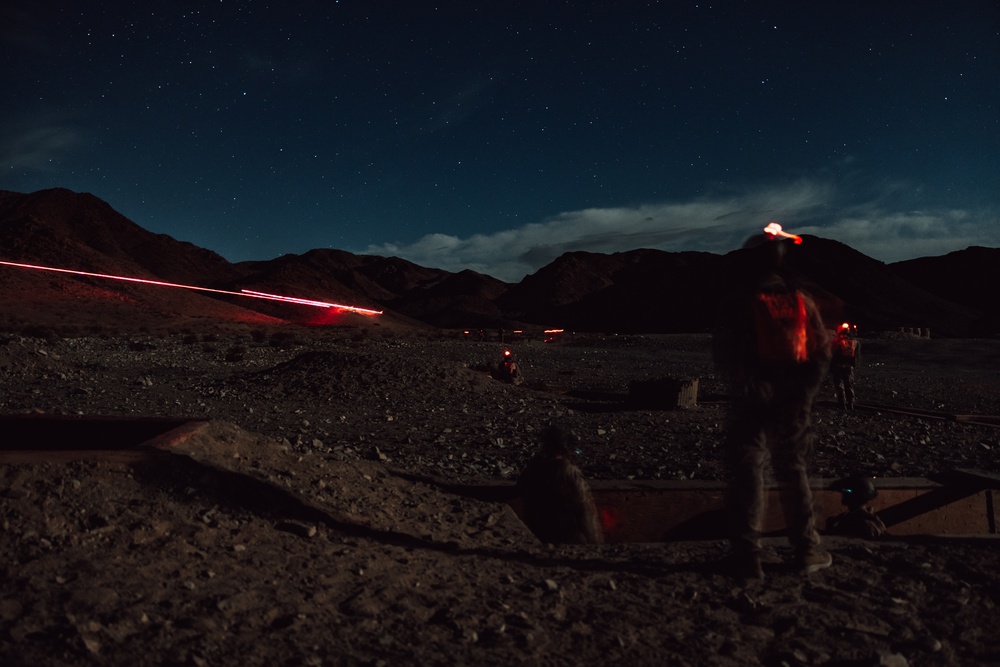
x: 666, y: 511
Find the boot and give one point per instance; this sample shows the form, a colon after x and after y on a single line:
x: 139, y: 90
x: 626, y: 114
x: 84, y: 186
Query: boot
x: 813, y: 559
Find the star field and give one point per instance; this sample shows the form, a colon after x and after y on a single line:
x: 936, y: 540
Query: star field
x: 495, y: 136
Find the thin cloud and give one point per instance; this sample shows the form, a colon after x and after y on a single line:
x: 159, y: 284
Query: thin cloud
x: 34, y: 146
x: 892, y: 236
x: 712, y: 225
x: 456, y: 108
x: 715, y: 225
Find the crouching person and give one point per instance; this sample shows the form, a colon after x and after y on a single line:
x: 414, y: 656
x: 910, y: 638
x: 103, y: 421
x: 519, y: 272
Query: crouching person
x: 507, y: 369
x: 558, y: 504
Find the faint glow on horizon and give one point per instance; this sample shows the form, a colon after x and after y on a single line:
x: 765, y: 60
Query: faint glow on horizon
x: 159, y: 283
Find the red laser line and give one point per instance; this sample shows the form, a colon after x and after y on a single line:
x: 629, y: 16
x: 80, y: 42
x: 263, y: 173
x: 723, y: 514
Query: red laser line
x: 310, y: 302
x: 161, y: 283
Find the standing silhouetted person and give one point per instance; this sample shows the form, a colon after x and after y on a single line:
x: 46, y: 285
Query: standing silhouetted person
x: 772, y: 344
x: 846, y: 353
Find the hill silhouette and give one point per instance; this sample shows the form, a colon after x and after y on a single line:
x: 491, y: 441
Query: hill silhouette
x: 640, y: 291
x: 968, y: 277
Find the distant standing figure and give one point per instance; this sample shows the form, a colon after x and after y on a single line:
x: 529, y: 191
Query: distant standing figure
x: 773, y: 346
x: 558, y: 505
x: 846, y: 354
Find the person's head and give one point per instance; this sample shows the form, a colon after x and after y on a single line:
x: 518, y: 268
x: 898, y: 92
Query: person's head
x: 765, y: 253
x: 559, y: 442
x: 856, y: 490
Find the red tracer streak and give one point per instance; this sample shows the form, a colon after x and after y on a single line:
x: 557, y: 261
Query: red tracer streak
x: 160, y: 283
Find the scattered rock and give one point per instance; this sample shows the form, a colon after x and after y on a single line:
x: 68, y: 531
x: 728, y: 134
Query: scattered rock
x: 192, y: 559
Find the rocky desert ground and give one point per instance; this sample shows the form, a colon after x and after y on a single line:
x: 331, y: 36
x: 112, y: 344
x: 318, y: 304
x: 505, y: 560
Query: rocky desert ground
x: 312, y: 517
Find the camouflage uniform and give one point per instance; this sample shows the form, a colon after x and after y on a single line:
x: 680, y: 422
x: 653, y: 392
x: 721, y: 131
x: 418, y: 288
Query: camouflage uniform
x: 557, y: 502
x: 509, y: 371
x: 857, y: 522
x: 845, y: 359
x: 771, y: 420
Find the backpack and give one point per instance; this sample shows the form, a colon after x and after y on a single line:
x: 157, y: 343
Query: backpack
x: 782, y: 327
x: 844, y: 348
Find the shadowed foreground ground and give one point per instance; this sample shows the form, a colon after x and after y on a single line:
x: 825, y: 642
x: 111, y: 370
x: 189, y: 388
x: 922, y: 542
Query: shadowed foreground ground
x: 289, y: 531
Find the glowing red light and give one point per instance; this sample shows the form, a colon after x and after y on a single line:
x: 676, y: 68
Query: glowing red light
x: 774, y: 229
x: 610, y: 517
x: 160, y: 283
x: 310, y: 302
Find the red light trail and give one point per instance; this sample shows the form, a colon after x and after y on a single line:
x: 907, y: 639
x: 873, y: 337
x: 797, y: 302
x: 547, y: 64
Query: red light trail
x: 774, y: 229
x: 160, y: 283
x: 309, y: 302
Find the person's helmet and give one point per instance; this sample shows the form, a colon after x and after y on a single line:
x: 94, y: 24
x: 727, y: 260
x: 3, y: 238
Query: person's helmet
x: 767, y: 249
x: 771, y: 233
x: 857, y: 489
x: 559, y: 441
x: 758, y: 240
x: 764, y: 252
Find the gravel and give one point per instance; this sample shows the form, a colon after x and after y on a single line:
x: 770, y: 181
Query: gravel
x: 306, y: 524
x: 430, y: 405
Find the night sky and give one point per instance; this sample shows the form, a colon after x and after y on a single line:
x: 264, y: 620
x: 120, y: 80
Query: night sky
x: 497, y: 135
